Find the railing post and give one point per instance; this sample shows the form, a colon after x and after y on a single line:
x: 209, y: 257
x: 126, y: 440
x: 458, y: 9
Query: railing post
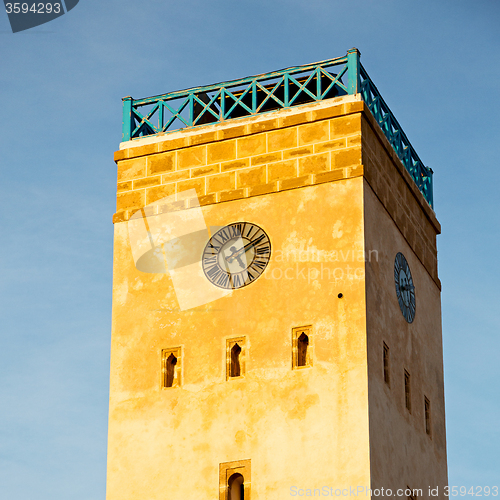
x: 430, y: 196
x: 353, y: 75
x: 191, y: 110
x: 127, y: 119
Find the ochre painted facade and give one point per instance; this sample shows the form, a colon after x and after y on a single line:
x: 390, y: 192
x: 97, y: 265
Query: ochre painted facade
x: 328, y: 189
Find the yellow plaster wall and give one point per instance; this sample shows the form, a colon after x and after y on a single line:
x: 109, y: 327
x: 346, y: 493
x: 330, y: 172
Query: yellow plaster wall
x: 305, y: 428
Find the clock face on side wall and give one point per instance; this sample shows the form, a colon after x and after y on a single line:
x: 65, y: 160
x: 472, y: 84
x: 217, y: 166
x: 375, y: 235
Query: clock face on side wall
x: 405, y: 290
x: 236, y: 255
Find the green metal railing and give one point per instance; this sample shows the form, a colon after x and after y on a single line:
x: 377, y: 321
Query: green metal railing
x: 421, y: 174
x: 269, y: 92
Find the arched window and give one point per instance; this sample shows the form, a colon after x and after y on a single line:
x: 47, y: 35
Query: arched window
x: 302, y: 347
x: 236, y: 487
x: 171, y: 367
x: 235, y: 361
x: 235, y: 357
x: 302, y: 344
x: 170, y: 370
x: 235, y: 478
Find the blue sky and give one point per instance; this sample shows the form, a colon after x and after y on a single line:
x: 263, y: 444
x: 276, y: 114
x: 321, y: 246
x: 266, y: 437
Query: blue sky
x: 435, y: 62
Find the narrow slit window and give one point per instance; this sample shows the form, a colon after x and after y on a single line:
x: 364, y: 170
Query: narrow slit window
x: 235, y: 358
x: 171, y: 367
x: 407, y: 391
x: 387, y: 373
x: 427, y: 411
x: 409, y: 493
x: 301, y: 347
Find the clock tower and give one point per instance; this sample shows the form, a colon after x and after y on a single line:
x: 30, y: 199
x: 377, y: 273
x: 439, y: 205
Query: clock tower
x: 276, y: 326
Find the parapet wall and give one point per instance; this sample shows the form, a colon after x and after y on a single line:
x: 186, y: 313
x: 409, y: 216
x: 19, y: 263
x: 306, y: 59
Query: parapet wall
x: 400, y: 196
x: 283, y: 150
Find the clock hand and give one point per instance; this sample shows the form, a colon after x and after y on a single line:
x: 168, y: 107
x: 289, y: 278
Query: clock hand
x: 252, y: 243
x: 236, y: 254
x: 407, y: 288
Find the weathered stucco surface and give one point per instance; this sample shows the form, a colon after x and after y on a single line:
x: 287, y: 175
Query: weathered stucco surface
x: 324, y: 185
x: 402, y: 454
x: 304, y: 427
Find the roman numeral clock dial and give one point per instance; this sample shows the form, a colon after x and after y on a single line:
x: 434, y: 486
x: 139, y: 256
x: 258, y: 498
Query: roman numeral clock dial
x: 405, y: 290
x: 236, y: 255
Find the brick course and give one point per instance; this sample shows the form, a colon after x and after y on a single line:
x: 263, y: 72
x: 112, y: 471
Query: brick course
x: 242, y: 157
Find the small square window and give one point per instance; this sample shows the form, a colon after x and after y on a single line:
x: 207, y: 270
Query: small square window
x: 171, y: 367
x: 235, y: 358
x: 302, y: 347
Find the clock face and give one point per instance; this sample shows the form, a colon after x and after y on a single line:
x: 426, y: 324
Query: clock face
x: 405, y: 290
x: 236, y: 255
